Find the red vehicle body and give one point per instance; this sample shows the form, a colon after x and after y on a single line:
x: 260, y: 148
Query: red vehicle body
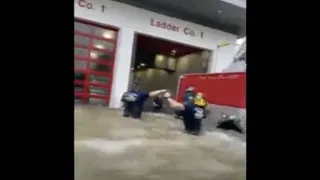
x: 227, y: 89
x: 225, y: 92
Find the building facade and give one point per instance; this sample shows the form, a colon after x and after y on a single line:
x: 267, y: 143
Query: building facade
x: 105, y: 30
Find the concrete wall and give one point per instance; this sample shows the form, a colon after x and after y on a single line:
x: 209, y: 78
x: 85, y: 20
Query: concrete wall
x: 130, y: 19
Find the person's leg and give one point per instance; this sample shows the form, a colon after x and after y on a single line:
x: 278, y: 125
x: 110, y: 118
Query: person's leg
x: 186, y: 124
x: 136, y: 112
x: 192, y: 126
x: 126, y: 110
x: 196, y: 126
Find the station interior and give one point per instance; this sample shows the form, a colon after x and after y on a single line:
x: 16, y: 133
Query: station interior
x: 159, y: 63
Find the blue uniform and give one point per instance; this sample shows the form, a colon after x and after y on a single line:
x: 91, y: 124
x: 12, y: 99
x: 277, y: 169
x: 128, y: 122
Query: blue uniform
x: 133, y: 103
x: 192, y: 118
x: 187, y: 98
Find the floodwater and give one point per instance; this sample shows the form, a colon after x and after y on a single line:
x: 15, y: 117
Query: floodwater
x: 111, y: 147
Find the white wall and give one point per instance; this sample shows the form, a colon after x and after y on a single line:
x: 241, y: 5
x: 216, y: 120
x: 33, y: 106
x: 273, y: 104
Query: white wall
x: 222, y: 58
x: 131, y: 19
x: 237, y: 64
x: 240, y: 3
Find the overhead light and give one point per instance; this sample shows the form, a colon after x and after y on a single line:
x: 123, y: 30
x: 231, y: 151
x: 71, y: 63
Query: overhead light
x: 142, y: 64
x: 173, y: 52
x: 171, y: 63
x: 219, y: 11
x: 99, y: 46
x: 159, y: 58
x: 223, y: 44
x: 93, y: 55
x: 107, y: 35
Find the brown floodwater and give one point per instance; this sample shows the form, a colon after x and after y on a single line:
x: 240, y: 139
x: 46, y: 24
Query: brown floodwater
x: 111, y: 147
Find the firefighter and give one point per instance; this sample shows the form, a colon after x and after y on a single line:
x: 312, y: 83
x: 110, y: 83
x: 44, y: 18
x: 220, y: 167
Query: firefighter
x: 187, y: 97
x: 192, y: 112
x: 134, y: 100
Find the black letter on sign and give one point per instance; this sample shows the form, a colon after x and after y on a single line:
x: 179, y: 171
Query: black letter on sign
x: 103, y: 8
x: 82, y: 3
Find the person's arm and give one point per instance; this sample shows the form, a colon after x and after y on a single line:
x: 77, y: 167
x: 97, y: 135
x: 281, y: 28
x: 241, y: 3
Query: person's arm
x: 156, y: 93
x: 173, y: 103
x: 144, y: 96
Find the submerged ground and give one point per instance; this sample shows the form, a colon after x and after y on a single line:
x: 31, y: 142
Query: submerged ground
x: 110, y: 147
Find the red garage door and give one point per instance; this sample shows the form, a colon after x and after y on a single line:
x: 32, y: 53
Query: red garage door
x: 94, y: 50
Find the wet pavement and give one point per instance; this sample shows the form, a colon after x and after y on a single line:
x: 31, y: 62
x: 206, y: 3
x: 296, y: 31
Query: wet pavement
x: 110, y: 147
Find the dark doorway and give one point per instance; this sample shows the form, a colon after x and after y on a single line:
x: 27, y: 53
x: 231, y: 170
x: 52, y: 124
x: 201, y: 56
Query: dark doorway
x: 159, y: 63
